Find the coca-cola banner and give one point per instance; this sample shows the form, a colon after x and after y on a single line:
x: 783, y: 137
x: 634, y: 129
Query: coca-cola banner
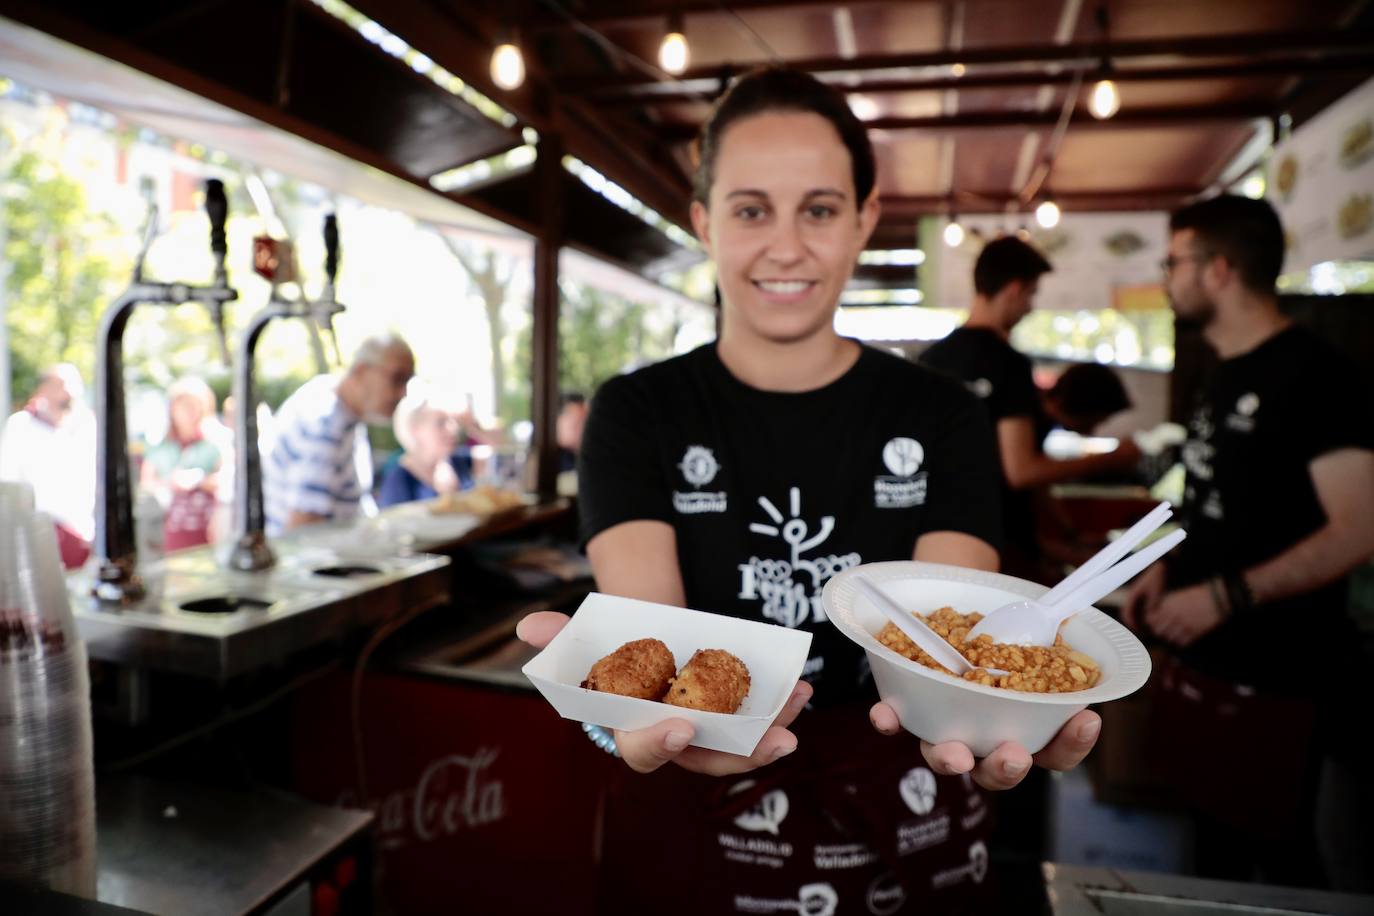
x: 486, y: 801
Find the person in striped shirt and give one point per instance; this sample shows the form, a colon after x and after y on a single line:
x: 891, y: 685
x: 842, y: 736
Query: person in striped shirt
x: 320, y: 466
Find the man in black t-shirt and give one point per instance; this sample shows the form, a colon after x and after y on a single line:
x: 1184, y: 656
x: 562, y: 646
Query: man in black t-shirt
x: 1005, y: 278
x: 1279, y: 508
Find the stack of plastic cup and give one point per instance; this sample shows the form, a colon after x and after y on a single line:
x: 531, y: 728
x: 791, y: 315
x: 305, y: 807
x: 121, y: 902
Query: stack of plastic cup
x: 47, y: 784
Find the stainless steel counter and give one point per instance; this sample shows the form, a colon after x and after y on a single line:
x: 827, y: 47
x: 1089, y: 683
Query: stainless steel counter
x: 186, y: 849
x: 201, y: 619
x: 1083, y: 891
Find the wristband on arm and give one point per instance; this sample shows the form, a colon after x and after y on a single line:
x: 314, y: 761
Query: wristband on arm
x: 601, y: 738
x: 1238, y: 592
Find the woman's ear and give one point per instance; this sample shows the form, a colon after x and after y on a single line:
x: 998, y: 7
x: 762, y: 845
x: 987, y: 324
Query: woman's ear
x: 701, y: 225
x: 869, y: 212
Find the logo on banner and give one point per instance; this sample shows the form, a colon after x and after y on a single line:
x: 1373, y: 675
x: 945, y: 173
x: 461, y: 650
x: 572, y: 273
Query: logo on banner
x: 918, y: 790
x: 767, y: 815
x: 811, y: 900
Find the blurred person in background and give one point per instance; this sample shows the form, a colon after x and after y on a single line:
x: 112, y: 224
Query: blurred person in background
x: 1006, y: 277
x: 182, y: 470
x: 50, y: 445
x: 1084, y: 397
x: 1263, y: 676
x: 432, y: 462
x: 320, y: 465
x: 572, y: 416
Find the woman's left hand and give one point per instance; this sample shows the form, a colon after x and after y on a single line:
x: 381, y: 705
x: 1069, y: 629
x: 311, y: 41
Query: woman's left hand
x: 1009, y: 763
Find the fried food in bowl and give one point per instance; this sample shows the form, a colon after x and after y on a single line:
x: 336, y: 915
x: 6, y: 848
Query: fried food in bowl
x: 643, y: 668
x: 712, y: 681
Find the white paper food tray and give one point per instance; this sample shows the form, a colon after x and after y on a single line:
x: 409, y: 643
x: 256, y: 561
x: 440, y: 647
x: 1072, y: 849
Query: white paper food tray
x: 774, y: 655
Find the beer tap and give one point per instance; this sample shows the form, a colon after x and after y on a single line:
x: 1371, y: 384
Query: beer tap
x: 251, y: 551
x: 117, y: 578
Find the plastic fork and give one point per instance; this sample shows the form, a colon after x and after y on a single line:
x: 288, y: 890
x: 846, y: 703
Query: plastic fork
x: 1036, y: 623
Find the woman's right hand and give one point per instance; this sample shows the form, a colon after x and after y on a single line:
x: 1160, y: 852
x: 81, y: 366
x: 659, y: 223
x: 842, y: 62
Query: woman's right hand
x: 647, y: 749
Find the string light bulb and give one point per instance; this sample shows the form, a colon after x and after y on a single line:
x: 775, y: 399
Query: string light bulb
x: 1047, y: 214
x: 1105, y: 100
x: 673, y: 53
x: 508, y: 64
x: 954, y: 233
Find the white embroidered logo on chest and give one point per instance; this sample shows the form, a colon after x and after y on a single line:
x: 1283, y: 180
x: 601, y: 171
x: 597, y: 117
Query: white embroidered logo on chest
x: 699, y: 466
x: 1243, y: 419
x: 903, y: 456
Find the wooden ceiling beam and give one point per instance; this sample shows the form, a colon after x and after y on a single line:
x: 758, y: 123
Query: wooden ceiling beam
x: 1127, y: 118
x: 666, y: 93
x: 1080, y: 54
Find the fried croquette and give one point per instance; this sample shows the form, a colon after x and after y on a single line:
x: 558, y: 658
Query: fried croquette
x: 713, y: 680
x: 642, y: 668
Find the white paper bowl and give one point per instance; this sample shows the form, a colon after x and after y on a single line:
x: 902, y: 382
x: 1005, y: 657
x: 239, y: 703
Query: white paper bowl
x: 939, y: 707
x: 604, y: 623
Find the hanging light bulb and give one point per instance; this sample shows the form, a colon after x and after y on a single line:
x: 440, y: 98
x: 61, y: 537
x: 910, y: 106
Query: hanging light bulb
x: 1105, y: 100
x: 1047, y: 214
x: 673, y: 53
x: 954, y: 233
x: 863, y: 106
x: 508, y: 64
x: 957, y: 70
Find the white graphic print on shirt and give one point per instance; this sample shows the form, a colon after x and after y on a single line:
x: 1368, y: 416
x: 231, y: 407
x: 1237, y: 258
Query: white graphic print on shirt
x: 791, y: 588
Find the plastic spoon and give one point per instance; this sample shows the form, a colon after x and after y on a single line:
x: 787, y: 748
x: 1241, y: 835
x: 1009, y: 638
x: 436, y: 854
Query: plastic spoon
x: 1035, y: 623
x: 933, y: 643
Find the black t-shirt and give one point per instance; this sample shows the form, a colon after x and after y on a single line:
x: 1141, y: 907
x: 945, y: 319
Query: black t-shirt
x: 1001, y: 377
x: 770, y: 494
x: 1261, y: 419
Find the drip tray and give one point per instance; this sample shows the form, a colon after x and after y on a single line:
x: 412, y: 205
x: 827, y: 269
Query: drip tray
x: 225, y: 604
x: 347, y: 571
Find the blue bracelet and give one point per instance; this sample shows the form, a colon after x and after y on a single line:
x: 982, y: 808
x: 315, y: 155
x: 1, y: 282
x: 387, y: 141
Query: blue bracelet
x: 601, y: 738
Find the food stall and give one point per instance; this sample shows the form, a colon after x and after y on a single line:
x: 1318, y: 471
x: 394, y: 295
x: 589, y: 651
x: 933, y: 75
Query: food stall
x: 346, y: 728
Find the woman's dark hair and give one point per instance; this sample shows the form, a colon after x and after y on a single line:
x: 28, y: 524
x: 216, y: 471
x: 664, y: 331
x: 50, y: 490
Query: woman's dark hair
x: 1090, y: 390
x: 1247, y: 233
x: 780, y: 89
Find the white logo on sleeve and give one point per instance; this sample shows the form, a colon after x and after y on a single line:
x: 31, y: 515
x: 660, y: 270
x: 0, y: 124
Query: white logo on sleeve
x: 767, y: 815
x: 699, y: 465
x: 903, y: 456
x: 918, y: 790
x: 981, y: 388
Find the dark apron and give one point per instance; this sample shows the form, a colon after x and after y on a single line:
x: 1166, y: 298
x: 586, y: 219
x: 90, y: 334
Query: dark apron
x: 851, y: 822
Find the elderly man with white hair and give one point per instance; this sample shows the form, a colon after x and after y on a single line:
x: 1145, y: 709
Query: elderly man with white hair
x: 320, y: 466
x: 50, y: 445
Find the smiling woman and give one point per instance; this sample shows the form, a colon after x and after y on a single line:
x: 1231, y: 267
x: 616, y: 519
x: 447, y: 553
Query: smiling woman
x: 738, y: 479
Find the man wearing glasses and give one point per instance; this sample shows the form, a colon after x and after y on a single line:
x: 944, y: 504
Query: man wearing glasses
x: 320, y: 467
x: 1279, y: 508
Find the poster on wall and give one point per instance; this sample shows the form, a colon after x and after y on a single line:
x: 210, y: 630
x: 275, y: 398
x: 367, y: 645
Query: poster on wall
x: 1101, y: 260
x: 1321, y: 180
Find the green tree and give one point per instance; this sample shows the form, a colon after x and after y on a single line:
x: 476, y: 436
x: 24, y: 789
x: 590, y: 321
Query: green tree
x: 61, y: 272
x: 491, y: 275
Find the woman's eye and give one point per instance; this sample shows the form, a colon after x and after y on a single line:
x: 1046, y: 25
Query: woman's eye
x: 749, y: 213
x: 820, y: 211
